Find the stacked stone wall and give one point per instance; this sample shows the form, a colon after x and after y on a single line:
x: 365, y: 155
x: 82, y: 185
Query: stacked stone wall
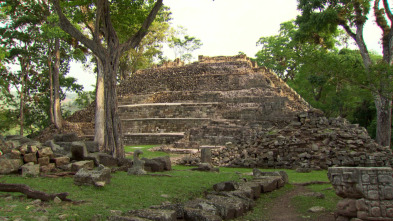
x: 311, y: 141
x: 367, y: 193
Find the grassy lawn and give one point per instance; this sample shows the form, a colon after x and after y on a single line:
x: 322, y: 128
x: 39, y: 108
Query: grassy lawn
x: 135, y: 192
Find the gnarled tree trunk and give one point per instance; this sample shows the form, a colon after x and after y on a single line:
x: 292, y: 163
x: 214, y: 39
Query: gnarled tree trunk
x: 99, y: 126
x: 56, y: 85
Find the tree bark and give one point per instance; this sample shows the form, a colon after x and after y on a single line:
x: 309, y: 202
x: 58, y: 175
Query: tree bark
x: 30, y: 193
x: 51, y: 102
x: 99, y: 130
x: 56, y: 84
x: 384, y: 119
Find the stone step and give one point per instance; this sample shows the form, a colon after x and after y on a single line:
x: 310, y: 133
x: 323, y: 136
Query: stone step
x: 151, y: 138
x: 161, y: 125
x: 168, y: 110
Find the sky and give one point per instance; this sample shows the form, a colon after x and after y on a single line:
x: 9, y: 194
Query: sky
x: 227, y: 27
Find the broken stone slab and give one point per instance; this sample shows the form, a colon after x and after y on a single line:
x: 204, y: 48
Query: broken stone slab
x: 283, y: 174
x: 85, y: 164
x: 152, y: 165
x: 57, y: 149
x: 98, y: 177
x: 78, y: 151
x: 154, y: 214
x: 102, y: 158
x: 269, y: 184
x: 30, y: 170
x: 8, y: 166
x: 206, y: 155
x: 92, y: 146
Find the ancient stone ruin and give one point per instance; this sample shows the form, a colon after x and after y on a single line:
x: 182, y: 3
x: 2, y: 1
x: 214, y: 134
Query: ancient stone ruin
x: 367, y: 192
x: 245, y: 114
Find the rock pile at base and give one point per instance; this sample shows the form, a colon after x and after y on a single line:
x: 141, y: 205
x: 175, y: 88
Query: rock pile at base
x: 312, y: 141
x: 228, y: 201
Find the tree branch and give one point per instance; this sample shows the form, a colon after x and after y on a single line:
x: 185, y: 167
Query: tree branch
x: 387, y: 10
x: 134, y: 41
x: 30, y: 193
x: 66, y: 25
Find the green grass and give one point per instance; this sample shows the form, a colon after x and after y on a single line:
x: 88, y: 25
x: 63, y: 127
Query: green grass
x: 136, y: 192
x: 303, y: 203
x: 124, y: 193
x: 146, y: 151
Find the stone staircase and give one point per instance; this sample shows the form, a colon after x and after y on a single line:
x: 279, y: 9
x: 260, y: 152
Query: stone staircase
x: 204, y: 104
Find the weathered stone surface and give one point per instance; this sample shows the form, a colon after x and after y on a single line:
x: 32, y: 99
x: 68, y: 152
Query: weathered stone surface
x: 30, y: 157
x: 85, y: 164
x: 45, y: 152
x: 107, y: 160
x: 48, y: 168
x: 57, y: 149
x: 92, y: 146
x: 367, y: 192
x: 155, y: 214
x: 98, y: 177
x: 194, y: 214
x: 30, y: 170
x: 206, y: 155
x: 69, y: 137
x: 61, y: 161
x: 207, y: 167
x: 78, y: 151
x: 43, y: 161
x: 227, y: 207
x: 8, y: 166
x: 226, y: 186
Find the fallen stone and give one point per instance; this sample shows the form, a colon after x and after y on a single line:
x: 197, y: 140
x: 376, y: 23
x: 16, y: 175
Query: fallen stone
x: 61, y: 161
x: 226, y: 186
x: 8, y: 166
x: 155, y: 214
x: 98, y: 177
x: 57, y: 200
x: 227, y: 207
x: 48, y: 168
x: 30, y: 157
x: 43, y: 161
x: 86, y: 164
x: 30, y: 170
x: 45, y: 152
x: 194, y: 214
x: 316, y: 209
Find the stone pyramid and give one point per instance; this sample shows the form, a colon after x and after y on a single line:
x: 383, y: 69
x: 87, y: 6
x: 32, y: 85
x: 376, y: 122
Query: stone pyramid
x: 206, y: 103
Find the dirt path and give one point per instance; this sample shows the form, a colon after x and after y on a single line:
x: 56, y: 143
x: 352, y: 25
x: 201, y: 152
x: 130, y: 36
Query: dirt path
x: 282, y: 210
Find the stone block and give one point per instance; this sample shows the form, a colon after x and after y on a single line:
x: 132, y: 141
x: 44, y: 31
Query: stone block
x: 48, y: 168
x: 8, y: 166
x: 43, y: 161
x: 92, y: 146
x: 78, y: 151
x: 206, y: 155
x: 107, y: 160
x: 155, y: 214
x: 61, y: 161
x: 227, y: 207
x: 86, y: 164
x: 98, y: 177
x: 194, y: 214
x: 45, y: 152
x: 347, y: 207
x: 226, y: 186
x: 30, y: 170
x: 30, y: 157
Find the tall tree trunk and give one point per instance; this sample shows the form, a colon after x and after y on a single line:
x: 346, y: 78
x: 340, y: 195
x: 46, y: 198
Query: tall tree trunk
x: 22, y: 96
x: 113, y: 130
x: 56, y: 85
x: 99, y: 130
x: 384, y: 119
x: 51, y: 102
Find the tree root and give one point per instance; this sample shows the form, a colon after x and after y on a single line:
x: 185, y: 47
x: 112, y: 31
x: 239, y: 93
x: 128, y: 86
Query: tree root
x: 30, y: 193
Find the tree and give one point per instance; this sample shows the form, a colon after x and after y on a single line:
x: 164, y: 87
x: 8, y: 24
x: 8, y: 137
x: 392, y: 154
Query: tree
x: 109, y: 55
x: 183, y: 44
x: 320, y: 19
